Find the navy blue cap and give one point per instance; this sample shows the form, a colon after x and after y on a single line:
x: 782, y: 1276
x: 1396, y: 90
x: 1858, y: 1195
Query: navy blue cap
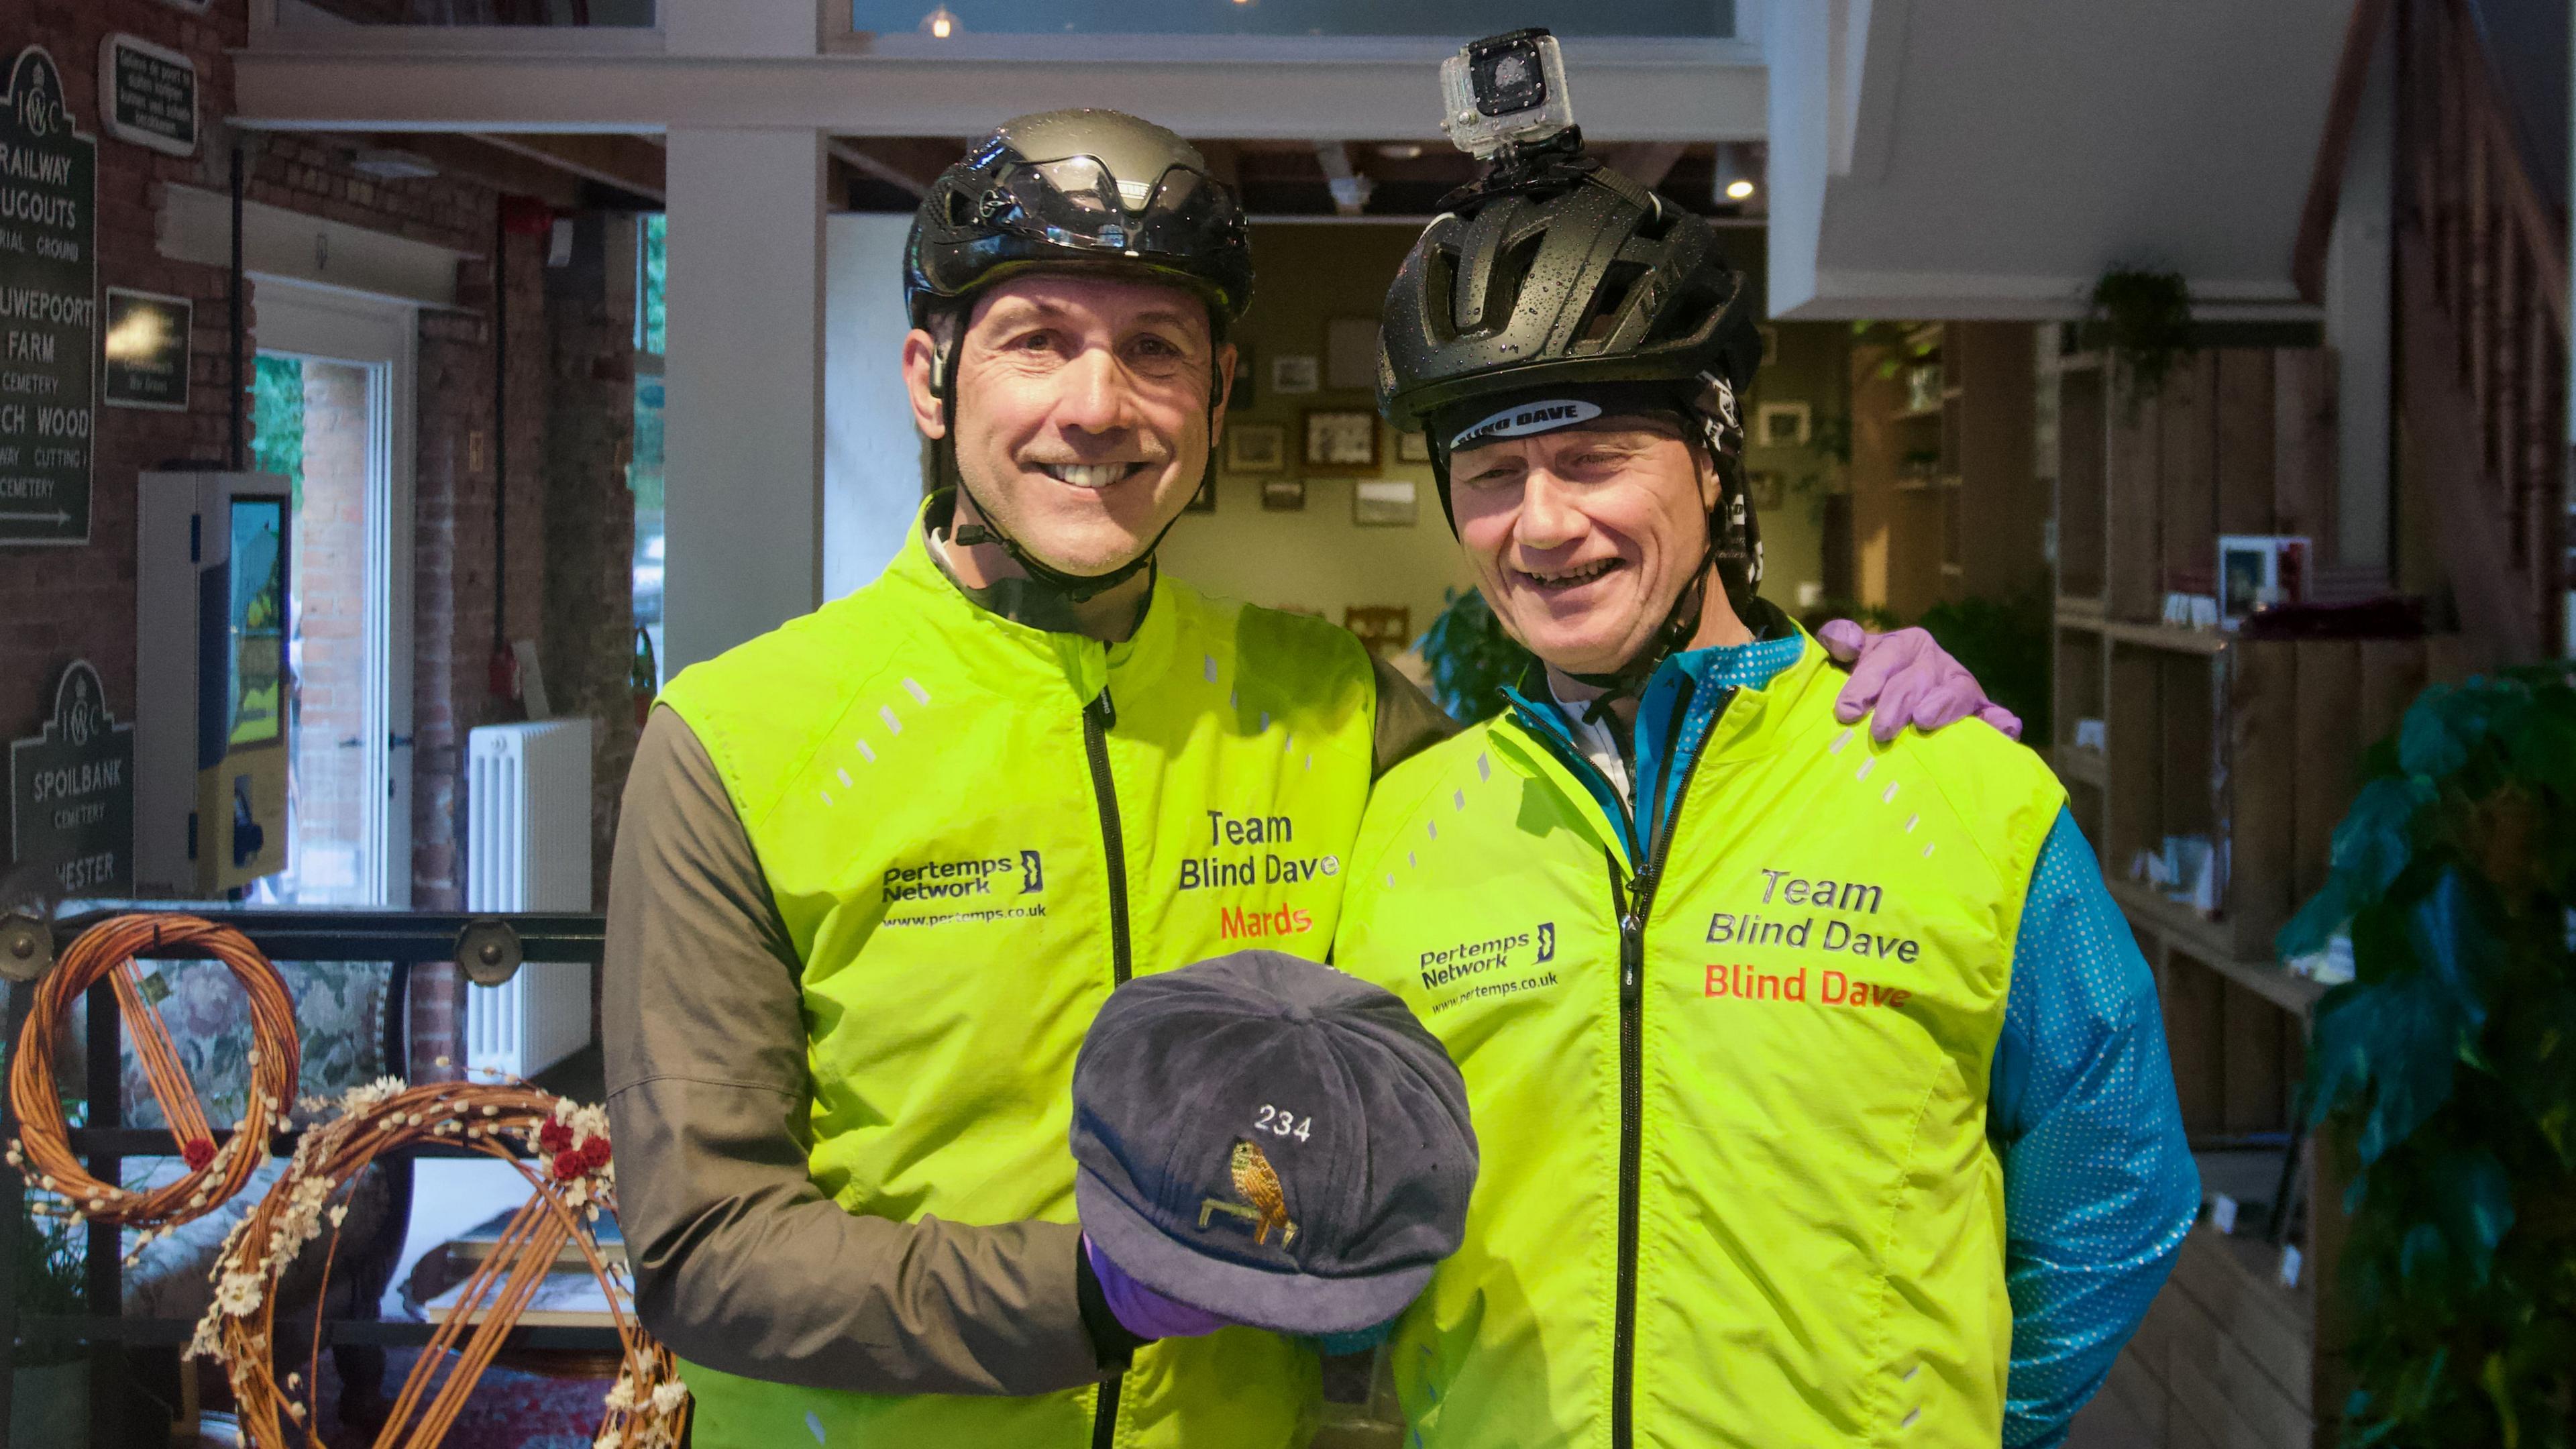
x: 1271, y: 1140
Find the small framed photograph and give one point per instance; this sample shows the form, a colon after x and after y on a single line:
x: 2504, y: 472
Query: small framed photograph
x: 1341, y: 440
x: 1762, y: 486
x: 1783, y: 425
x: 1291, y: 376
x: 1283, y: 495
x: 1203, y: 501
x: 2259, y: 569
x: 1385, y: 503
x: 1256, y: 448
x: 1413, y: 447
x: 1350, y: 354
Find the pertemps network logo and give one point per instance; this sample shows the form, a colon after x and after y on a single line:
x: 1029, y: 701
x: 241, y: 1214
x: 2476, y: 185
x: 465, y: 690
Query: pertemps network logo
x: 971, y: 876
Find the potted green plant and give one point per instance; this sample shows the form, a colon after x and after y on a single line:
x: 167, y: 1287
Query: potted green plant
x: 1472, y: 660
x: 49, y: 1381
x: 2449, y: 1064
x: 2144, y: 318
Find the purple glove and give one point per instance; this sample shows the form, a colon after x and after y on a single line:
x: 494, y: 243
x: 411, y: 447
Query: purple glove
x: 1142, y: 1311
x: 1905, y: 679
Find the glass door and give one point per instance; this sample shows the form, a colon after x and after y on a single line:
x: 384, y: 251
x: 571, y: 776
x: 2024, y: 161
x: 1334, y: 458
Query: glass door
x: 331, y: 409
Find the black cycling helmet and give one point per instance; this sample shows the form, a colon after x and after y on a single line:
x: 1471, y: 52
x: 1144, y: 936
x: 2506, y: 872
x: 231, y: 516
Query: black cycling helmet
x: 1079, y: 188
x: 1073, y: 189
x: 1567, y: 282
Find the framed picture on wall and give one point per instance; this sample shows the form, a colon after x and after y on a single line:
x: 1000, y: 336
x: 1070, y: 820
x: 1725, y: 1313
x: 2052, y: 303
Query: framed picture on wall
x: 1384, y: 503
x: 1340, y: 440
x: 1283, y: 495
x: 1256, y: 448
x: 1350, y: 353
x: 1413, y: 447
x: 1203, y: 501
x: 1783, y: 425
x: 1290, y: 376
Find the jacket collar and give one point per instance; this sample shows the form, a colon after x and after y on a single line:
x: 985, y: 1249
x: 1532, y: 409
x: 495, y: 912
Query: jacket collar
x: 1020, y: 622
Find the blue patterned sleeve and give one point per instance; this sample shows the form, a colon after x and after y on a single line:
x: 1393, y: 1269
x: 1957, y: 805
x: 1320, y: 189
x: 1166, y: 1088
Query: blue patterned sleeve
x: 2099, y: 1186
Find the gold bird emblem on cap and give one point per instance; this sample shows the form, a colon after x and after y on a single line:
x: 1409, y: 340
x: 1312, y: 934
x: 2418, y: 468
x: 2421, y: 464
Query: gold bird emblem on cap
x: 1257, y: 1183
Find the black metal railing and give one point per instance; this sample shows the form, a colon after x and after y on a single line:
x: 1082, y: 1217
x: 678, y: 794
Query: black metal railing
x: 483, y: 946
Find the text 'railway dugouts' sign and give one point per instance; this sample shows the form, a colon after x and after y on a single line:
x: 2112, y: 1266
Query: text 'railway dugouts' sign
x: 148, y: 94
x: 48, y: 308
x: 71, y: 792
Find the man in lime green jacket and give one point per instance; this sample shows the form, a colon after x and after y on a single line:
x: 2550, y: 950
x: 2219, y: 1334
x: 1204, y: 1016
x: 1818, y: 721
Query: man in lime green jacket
x: 1821, y: 1093
x: 879, y: 868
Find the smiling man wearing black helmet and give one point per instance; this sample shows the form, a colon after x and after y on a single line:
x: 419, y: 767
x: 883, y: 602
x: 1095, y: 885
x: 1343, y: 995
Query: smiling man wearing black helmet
x: 1820, y: 1090
x: 878, y: 869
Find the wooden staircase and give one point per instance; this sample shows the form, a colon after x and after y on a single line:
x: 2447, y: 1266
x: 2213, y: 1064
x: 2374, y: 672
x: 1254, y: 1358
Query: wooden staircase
x: 2482, y: 322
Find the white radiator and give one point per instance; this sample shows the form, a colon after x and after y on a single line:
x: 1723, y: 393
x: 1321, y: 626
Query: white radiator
x: 528, y: 849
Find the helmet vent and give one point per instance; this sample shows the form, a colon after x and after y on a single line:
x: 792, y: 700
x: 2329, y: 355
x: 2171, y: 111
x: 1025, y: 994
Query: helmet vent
x: 1503, y: 285
x: 1440, y: 288
x: 1610, y: 303
x: 1687, y: 316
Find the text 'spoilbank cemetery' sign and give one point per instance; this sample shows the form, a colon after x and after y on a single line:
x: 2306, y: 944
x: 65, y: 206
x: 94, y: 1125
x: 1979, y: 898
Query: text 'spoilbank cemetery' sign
x: 71, y: 792
x: 48, y: 308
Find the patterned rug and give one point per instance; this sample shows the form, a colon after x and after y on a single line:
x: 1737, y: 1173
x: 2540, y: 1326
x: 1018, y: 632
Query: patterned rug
x: 509, y: 1409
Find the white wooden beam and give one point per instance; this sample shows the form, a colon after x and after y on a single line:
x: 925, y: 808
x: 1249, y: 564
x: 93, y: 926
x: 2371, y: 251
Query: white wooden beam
x: 744, y: 485
x: 1665, y: 93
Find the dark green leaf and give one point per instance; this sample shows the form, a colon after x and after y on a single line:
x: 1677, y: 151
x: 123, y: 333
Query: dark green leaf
x: 2453, y: 944
x: 2395, y: 1045
x: 2373, y: 843
x: 2475, y: 1199
x: 2318, y: 920
x: 2439, y: 726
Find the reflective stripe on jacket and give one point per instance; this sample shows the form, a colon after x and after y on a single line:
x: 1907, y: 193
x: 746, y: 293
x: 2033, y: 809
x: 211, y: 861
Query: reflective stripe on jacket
x: 973, y: 829
x: 1737, y: 1188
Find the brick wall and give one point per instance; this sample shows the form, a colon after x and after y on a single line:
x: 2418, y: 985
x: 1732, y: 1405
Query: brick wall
x: 65, y: 603
x: 62, y: 604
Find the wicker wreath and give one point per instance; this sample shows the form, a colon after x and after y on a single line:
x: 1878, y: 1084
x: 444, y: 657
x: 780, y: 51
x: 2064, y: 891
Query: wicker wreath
x: 573, y: 1181
x: 43, y: 1152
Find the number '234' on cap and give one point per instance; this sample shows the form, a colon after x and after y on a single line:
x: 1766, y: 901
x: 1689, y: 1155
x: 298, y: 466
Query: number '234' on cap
x: 1271, y: 1140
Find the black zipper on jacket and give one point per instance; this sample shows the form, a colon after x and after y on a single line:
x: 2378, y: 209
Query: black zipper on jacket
x: 1098, y: 718
x: 1632, y: 907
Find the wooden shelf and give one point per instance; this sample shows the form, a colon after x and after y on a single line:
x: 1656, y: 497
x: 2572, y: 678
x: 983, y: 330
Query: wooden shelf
x: 2089, y: 361
x: 1954, y: 390
x: 2087, y: 766
x: 1914, y: 415
x: 2079, y: 611
x: 2164, y: 637
x: 2206, y: 941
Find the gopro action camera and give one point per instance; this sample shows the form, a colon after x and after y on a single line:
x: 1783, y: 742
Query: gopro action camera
x: 1504, y: 92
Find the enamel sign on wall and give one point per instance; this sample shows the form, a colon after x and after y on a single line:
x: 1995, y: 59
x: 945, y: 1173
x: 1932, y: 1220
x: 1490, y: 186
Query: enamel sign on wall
x: 71, y: 792
x: 48, y: 308
x: 148, y: 94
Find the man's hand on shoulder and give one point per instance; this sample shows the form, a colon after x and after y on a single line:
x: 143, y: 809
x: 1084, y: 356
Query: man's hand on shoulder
x: 1906, y: 678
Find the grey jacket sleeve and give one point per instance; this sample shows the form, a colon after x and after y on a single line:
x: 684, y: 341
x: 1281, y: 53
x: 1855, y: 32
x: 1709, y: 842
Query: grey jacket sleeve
x: 741, y: 1262
x: 1407, y: 721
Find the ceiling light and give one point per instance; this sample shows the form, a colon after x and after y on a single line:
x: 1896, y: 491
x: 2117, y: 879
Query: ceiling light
x: 1737, y: 174
x: 940, y: 24
x: 386, y: 164
x: 1400, y: 151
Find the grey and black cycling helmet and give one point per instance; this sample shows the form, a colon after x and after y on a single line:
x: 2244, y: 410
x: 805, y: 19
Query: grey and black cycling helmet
x: 1084, y: 189
x: 1568, y: 292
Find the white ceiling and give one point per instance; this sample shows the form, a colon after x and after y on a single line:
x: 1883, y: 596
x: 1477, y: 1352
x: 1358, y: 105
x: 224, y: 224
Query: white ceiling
x: 1992, y: 160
